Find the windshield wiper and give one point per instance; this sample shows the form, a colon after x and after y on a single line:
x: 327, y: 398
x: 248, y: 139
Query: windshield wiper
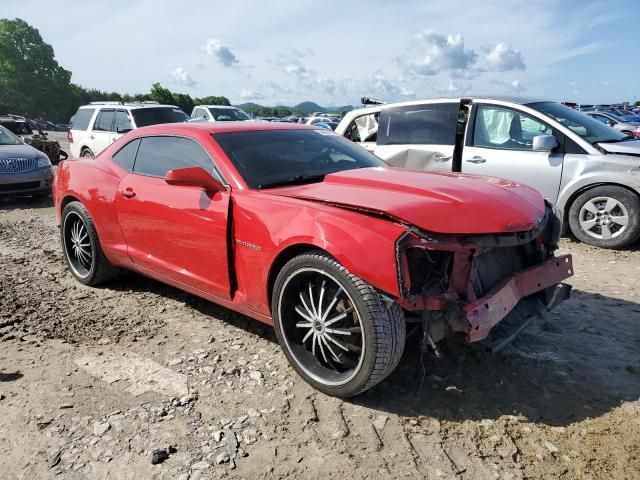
x: 297, y: 180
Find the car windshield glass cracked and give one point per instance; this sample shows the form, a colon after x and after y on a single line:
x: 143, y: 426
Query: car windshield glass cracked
x: 273, y: 157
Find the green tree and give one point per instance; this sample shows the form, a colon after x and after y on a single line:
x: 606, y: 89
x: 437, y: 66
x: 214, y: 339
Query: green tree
x: 161, y: 95
x: 31, y: 81
x: 213, y: 101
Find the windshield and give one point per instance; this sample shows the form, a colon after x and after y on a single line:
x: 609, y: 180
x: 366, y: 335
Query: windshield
x: 18, y: 128
x: 8, y: 138
x: 588, y: 128
x: 228, y: 114
x: 154, y: 116
x: 271, y: 158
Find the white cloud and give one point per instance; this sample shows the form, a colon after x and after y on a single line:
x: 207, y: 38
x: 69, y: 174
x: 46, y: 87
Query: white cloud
x: 513, y: 86
x: 290, y: 63
x: 182, y: 77
x: 574, y: 87
x: 439, y: 53
x: 251, y: 95
x: 517, y: 86
x: 453, y: 88
x: 223, y: 53
x: 503, y: 58
x: 378, y: 85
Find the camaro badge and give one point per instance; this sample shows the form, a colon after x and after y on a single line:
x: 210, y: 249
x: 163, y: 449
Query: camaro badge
x: 249, y: 245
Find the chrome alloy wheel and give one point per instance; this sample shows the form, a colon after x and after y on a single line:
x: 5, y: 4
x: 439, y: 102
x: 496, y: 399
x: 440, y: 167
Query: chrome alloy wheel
x: 604, y: 218
x: 321, y: 326
x: 77, y: 244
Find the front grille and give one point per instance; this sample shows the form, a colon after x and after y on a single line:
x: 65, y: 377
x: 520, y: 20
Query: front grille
x: 17, y: 165
x: 14, y: 187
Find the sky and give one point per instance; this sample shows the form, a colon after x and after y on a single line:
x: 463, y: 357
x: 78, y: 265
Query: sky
x: 334, y: 52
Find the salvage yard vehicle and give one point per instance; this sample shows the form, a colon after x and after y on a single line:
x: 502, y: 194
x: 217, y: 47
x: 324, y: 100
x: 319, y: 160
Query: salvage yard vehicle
x: 219, y: 113
x: 298, y: 227
x: 588, y: 169
x: 97, y: 125
x: 24, y: 170
x: 30, y: 133
x: 629, y: 125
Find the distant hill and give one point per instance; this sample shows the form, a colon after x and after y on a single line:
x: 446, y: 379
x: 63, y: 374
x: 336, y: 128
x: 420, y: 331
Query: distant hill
x: 303, y: 108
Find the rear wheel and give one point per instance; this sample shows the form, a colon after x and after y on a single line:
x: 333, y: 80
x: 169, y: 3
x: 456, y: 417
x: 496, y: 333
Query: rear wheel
x: 606, y: 216
x: 81, y: 247
x: 87, y: 153
x: 336, y: 330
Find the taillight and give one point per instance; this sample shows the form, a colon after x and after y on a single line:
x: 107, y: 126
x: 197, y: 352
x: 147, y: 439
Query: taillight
x: 70, y: 136
x: 637, y: 132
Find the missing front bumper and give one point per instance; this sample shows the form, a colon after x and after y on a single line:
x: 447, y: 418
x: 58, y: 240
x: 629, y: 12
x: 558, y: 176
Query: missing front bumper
x: 484, y: 313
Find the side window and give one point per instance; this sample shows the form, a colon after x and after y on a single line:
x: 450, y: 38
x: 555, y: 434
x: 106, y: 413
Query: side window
x: 82, y: 118
x: 602, y: 119
x: 427, y: 124
x: 196, y: 113
x: 157, y: 155
x: 504, y: 128
x: 363, y: 128
x: 126, y: 156
x: 122, y: 122
x: 104, y: 121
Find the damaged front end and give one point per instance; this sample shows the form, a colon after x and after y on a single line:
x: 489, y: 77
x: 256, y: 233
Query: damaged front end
x: 484, y: 287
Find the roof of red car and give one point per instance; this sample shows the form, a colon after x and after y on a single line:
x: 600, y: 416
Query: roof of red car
x: 219, y: 127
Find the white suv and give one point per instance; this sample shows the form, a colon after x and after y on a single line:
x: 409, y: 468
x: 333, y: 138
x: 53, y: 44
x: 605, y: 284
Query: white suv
x: 95, y: 126
x: 218, y: 113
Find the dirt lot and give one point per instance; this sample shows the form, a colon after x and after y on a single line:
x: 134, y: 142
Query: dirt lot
x: 92, y: 381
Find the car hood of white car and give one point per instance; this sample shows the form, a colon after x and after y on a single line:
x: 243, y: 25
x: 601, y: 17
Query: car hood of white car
x: 626, y: 148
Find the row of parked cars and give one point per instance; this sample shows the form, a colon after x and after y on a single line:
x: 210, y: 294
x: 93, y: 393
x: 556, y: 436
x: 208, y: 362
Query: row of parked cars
x: 589, y: 170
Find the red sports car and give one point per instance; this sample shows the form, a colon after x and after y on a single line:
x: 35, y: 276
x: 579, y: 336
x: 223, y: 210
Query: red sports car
x: 300, y: 228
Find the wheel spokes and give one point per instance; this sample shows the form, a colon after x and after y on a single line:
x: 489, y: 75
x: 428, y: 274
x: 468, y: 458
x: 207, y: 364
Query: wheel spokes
x: 588, y: 224
x: 621, y: 220
x: 606, y: 232
x: 305, y: 316
x: 333, y: 354
x: 304, y: 303
x: 313, y: 307
x: 611, y: 204
x: 324, y: 324
x: 332, y: 304
x: 591, y: 207
x: 337, y: 318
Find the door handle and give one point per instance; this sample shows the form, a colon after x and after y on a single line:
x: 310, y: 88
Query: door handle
x: 476, y: 159
x: 92, y: 137
x: 441, y: 158
x: 128, y: 193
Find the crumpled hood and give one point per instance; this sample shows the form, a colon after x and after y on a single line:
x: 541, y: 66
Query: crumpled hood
x: 452, y: 203
x: 630, y: 147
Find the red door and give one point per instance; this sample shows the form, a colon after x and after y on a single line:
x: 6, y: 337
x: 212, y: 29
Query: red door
x: 177, y: 232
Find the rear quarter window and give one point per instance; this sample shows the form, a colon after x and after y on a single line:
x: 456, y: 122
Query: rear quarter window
x: 82, y: 118
x: 126, y: 156
x: 429, y: 124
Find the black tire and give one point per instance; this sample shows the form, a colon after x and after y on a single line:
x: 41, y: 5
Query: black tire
x: 606, y: 232
x: 99, y: 269
x: 86, y: 153
x: 380, y: 324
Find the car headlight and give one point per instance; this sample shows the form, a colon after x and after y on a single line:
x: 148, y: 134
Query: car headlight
x: 43, y: 162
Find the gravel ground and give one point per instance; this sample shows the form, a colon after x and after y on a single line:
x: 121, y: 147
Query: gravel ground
x: 97, y: 383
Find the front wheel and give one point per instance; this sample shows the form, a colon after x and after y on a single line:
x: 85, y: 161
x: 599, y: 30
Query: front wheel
x: 336, y: 331
x: 607, y: 216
